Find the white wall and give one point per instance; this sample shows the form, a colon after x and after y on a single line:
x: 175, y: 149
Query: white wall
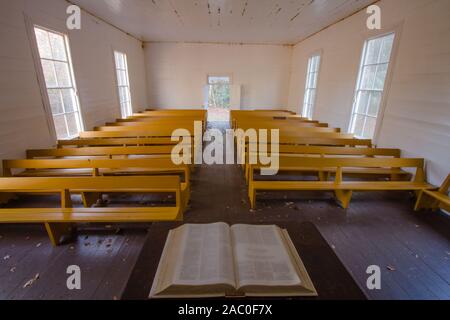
x: 417, y: 113
x: 177, y: 73
x: 23, y: 123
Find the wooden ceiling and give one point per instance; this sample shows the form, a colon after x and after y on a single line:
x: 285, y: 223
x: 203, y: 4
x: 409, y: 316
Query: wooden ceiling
x: 223, y: 21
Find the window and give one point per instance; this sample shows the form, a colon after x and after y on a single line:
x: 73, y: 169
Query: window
x: 60, y: 83
x: 311, y: 86
x: 370, y: 86
x: 123, y: 84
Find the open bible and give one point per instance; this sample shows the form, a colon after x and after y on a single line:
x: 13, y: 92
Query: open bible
x: 216, y: 260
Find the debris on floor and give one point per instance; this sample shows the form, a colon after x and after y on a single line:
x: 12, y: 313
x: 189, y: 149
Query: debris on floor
x: 7, y: 257
x: 30, y: 282
x: 391, y: 268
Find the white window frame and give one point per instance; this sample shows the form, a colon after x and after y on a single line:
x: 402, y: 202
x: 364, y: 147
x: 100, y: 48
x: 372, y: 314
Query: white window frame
x: 127, y: 110
x: 30, y: 27
x: 397, y: 31
x: 308, y: 106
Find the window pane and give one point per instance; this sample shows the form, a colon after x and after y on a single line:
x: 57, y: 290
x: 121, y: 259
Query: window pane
x: 68, y: 97
x: 311, y: 80
x: 362, y: 101
x: 316, y: 64
x: 122, y: 78
x: 218, y: 80
x: 380, y: 77
x: 358, y: 125
x: 116, y: 58
x: 121, y: 96
x: 373, y: 51
x: 63, y: 74
x: 49, y: 74
x: 121, y: 61
x: 312, y: 96
x: 60, y: 127
x: 386, y: 48
x: 313, y: 64
x: 374, y: 105
x: 43, y: 44
x: 58, y: 47
x: 72, y: 124
x: 369, y: 128
x: 128, y: 95
x: 307, y: 99
x: 124, y: 108
x: 55, y: 101
x: 316, y: 79
x: 368, y: 77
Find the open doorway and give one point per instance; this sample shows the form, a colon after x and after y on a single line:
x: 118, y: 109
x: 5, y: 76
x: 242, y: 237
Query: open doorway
x: 219, y: 98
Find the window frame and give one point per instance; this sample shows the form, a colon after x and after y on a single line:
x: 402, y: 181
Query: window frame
x: 318, y: 53
x: 116, y: 69
x: 397, y: 31
x: 30, y: 28
x: 220, y: 75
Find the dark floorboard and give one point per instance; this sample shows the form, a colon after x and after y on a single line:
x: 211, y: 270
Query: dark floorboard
x: 106, y: 260
x: 412, y: 249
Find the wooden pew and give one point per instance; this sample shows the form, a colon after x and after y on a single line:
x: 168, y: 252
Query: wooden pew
x: 321, y: 139
x: 150, y: 120
x: 60, y: 221
x: 159, y: 126
x: 153, y: 133
x: 333, y: 151
x: 434, y: 199
x: 99, y: 167
x: 259, y: 119
x: 289, y: 128
x: 343, y: 189
x: 264, y: 123
x: 109, y: 152
x: 201, y: 114
x: 161, y: 151
x: 96, y: 142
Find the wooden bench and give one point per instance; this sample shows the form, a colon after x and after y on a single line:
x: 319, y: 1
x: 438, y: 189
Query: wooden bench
x: 290, y: 128
x: 163, y: 151
x: 100, y: 151
x: 134, y: 133
x: 343, y: 189
x: 59, y: 221
x: 293, y: 141
x: 434, y: 199
x: 270, y: 124
x: 160, y: 126
x: 331, y: 151
x: 201, y: 114
x: 157, y: 118
x: 153, y: 141
x: 99, y: 167
x: 280, y: 120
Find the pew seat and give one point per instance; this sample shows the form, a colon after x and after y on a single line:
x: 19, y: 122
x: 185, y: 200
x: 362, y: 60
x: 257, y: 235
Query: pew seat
x: 59, y: 221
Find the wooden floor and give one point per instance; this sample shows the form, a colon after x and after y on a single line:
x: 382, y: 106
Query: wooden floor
x: 412, y: 249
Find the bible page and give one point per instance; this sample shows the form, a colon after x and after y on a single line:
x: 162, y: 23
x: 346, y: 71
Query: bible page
x: 261, y: 258
x: 206, y: 256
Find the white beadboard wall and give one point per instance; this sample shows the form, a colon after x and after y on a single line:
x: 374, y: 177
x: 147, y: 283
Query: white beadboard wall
x: 177, y: 73
x: 417, y: 112
x: 23, y: 123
